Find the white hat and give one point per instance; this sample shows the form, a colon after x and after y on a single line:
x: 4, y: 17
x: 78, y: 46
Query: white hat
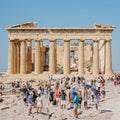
x: 31, y: 93
x: 39, y: 91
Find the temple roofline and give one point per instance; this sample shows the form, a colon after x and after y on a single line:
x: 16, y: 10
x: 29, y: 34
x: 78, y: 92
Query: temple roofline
x: 33, y: 25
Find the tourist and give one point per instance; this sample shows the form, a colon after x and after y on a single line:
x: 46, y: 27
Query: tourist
x: 115, y: 82
x: 72, y: 95
x: 63, y: 99
x: 80, y: 98
x: 103, y: 93
x: 76, y: 103
x: 57, y: 95
x: 13, y: 87
x: 50, y: 96
x: 1, y: 90
x: 46, y: 92
x: 96, y: 99
x: 30, y: 103
x: 68, y: 93
x: 2, y: 87
x: 85, y: 97
x: 34, y: 96
x: 39, y: 102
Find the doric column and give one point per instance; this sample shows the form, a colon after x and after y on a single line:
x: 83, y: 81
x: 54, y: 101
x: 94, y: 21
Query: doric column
x: 95, y: 58
x: 42, y: 55
x: 29, y: 56
x: 10, y: 57
x: 18, y: 57
x: 108, y: 59
x: 37, y: 57
x: 81, y: 57
x: 52, y: 59
x: 66, y: 66
x: 23, y: 57
x: 15, y: 56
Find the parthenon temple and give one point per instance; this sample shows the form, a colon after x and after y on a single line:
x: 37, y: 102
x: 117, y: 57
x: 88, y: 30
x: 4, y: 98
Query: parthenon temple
x: 34, y: 49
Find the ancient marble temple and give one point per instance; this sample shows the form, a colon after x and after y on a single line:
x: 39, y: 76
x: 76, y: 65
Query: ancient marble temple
x: 20, y: 53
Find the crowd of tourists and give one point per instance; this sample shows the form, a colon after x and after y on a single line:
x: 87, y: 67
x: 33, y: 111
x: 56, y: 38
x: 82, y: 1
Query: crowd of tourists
x: 67, y: 93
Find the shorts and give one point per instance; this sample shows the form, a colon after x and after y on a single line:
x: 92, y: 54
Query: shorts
x: 29, y: 106
x: 57, y: 99
x: 50, y: 99
x: 39, y: 105
x: 71, y: 100
x: 95, y: 101
x: 63, y: 102
x: 75, y: 108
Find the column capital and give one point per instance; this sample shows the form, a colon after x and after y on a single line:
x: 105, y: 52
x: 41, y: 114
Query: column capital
x: 81, y: 40
x: 52, y: 40
x: 18, y: 42
x: 29, y: 40
x: 96, y: 40
x: 66, y: 40
x: 22, y: 40
x: 11, y: 39
x: 106, y: 40
x: 38, y: 40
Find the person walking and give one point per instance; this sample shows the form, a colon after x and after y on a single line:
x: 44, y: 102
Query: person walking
x: 63, y: 99
x: 76, y: 103
x: 39, y: 102
x: 96, y: 99
x: 85, y: 97
x: 30, y: 103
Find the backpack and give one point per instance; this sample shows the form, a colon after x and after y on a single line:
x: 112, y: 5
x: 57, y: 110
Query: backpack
x: 54, y: 102
x: 79, y: 100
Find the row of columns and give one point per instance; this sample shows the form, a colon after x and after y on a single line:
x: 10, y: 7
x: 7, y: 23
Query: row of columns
x: 20, y: 62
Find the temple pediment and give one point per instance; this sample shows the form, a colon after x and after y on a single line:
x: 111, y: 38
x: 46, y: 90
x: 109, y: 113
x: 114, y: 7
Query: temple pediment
x: 24, y: 25
x: 103, y: 26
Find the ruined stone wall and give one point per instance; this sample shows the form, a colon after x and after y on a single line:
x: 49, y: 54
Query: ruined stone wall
x: 74, y: 64
x: 88, y: 56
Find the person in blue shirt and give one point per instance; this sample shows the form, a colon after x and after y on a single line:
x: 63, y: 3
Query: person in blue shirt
x: 76, y: 103
x: 72, y: 93
x: 30, y: 103
x: 96, y: 101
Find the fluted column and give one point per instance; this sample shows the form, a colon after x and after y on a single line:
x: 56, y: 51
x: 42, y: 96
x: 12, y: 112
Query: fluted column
x: 66, y: 66
x: 108, y: 59
x: 52, y: 59
x: 15, y: 57
x: 29, y: 56
x: 95, y: 58
x: 37, y: 57
x: 10, y: 57
x: 18, y: 57
x: 42, y: 55
x: 23, y: 57
x: 81, y: 57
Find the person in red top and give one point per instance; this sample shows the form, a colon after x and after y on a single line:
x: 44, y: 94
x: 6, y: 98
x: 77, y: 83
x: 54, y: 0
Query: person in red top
x: 57, y: 95
x: 115, y: 82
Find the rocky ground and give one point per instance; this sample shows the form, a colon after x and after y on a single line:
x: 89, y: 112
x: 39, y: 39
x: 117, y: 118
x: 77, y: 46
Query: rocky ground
x: 13, y: 108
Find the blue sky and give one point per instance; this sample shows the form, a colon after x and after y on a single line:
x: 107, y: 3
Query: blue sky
x: 60, y: 13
